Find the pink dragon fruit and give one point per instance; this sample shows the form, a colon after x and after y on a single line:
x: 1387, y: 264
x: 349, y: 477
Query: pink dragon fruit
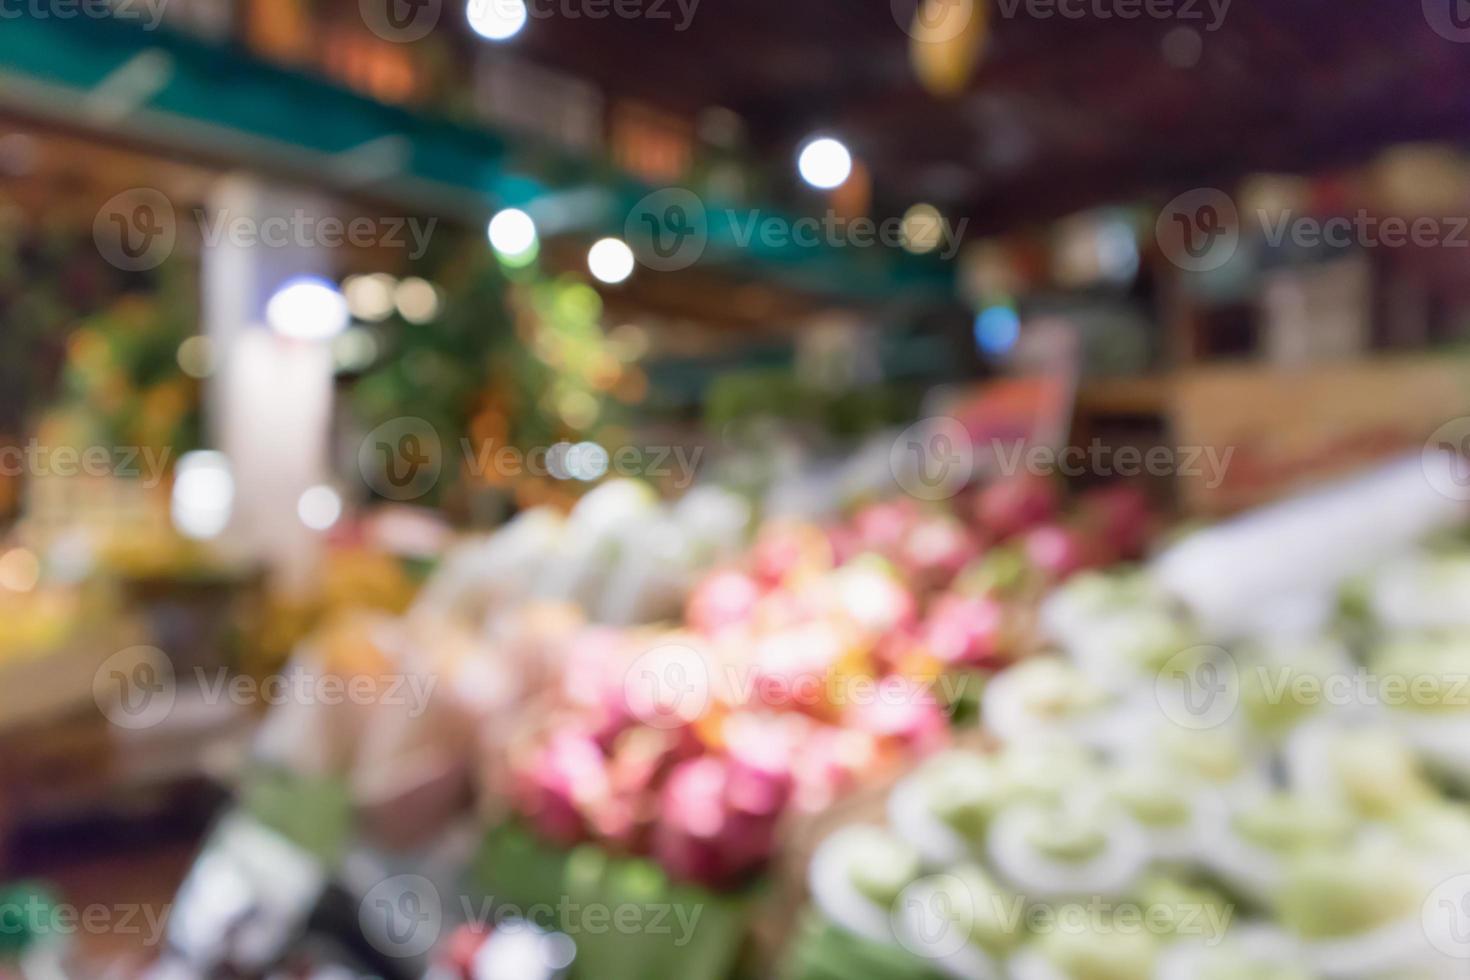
x: 1122, y: 517
x: 934, y: 551
x: 721, y: 601
x: 965, y: 630
x: 1015, y: 505
x: 1056, y: 551
x: 882, y: 527
x: 718, y: 815
x: 566, y: 779
x: 785, y: 549
x: 904, y: 709
x: 790, y: 667
x: 870, y: 593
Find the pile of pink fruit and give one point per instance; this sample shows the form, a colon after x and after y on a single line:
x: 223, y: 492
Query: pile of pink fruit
x: 826, y: 656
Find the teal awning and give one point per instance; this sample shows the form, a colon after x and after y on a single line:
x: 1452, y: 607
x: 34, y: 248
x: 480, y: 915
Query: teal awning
x: 219, y: 101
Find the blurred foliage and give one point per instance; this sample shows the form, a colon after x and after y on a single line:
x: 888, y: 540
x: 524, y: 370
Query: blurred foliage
x: 514, y: 359
x: 742, y: 397
x: 121, y: 384
x: 49, y: 281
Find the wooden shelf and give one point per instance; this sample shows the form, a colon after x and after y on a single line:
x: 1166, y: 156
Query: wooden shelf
x: 1144, y: 395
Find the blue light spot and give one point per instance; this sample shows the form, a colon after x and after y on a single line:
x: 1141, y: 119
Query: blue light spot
x: 997, y: 329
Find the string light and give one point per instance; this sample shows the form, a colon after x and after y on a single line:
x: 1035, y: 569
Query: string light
x: 824, y: 163
x: 203, y: 494
x: 922, y: 228
x: 319, y: 507
x: 512, y: 234
x: 496, y: 20
x: 417, y: 300
x: 196, y: 357
x: 370, y: 298
x: 308, y: 308
x: 20, y: 570
x: 610, y: 260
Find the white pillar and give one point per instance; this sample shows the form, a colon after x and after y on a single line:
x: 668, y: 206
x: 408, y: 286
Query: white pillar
x: 270, y: 404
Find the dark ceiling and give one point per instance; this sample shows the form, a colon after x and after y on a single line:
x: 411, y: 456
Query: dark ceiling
x: 1064, y: 112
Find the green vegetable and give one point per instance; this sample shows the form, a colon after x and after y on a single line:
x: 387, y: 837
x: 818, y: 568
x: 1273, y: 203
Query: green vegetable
x: 1067, y: 836
x: 1288, y: 824
x: 1215, y: 756
x: 885, y: 866
x: 1379, y: 775
x: 1194, y: 909
x: 1236, y: 964
x: 1328, y: 894
x: 1110, y: 954
x: 964, y: 791
x: 1152, y: 798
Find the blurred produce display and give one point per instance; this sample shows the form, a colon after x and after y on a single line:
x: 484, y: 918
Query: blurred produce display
x: 545, y: 688
x: 1287, y: 805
